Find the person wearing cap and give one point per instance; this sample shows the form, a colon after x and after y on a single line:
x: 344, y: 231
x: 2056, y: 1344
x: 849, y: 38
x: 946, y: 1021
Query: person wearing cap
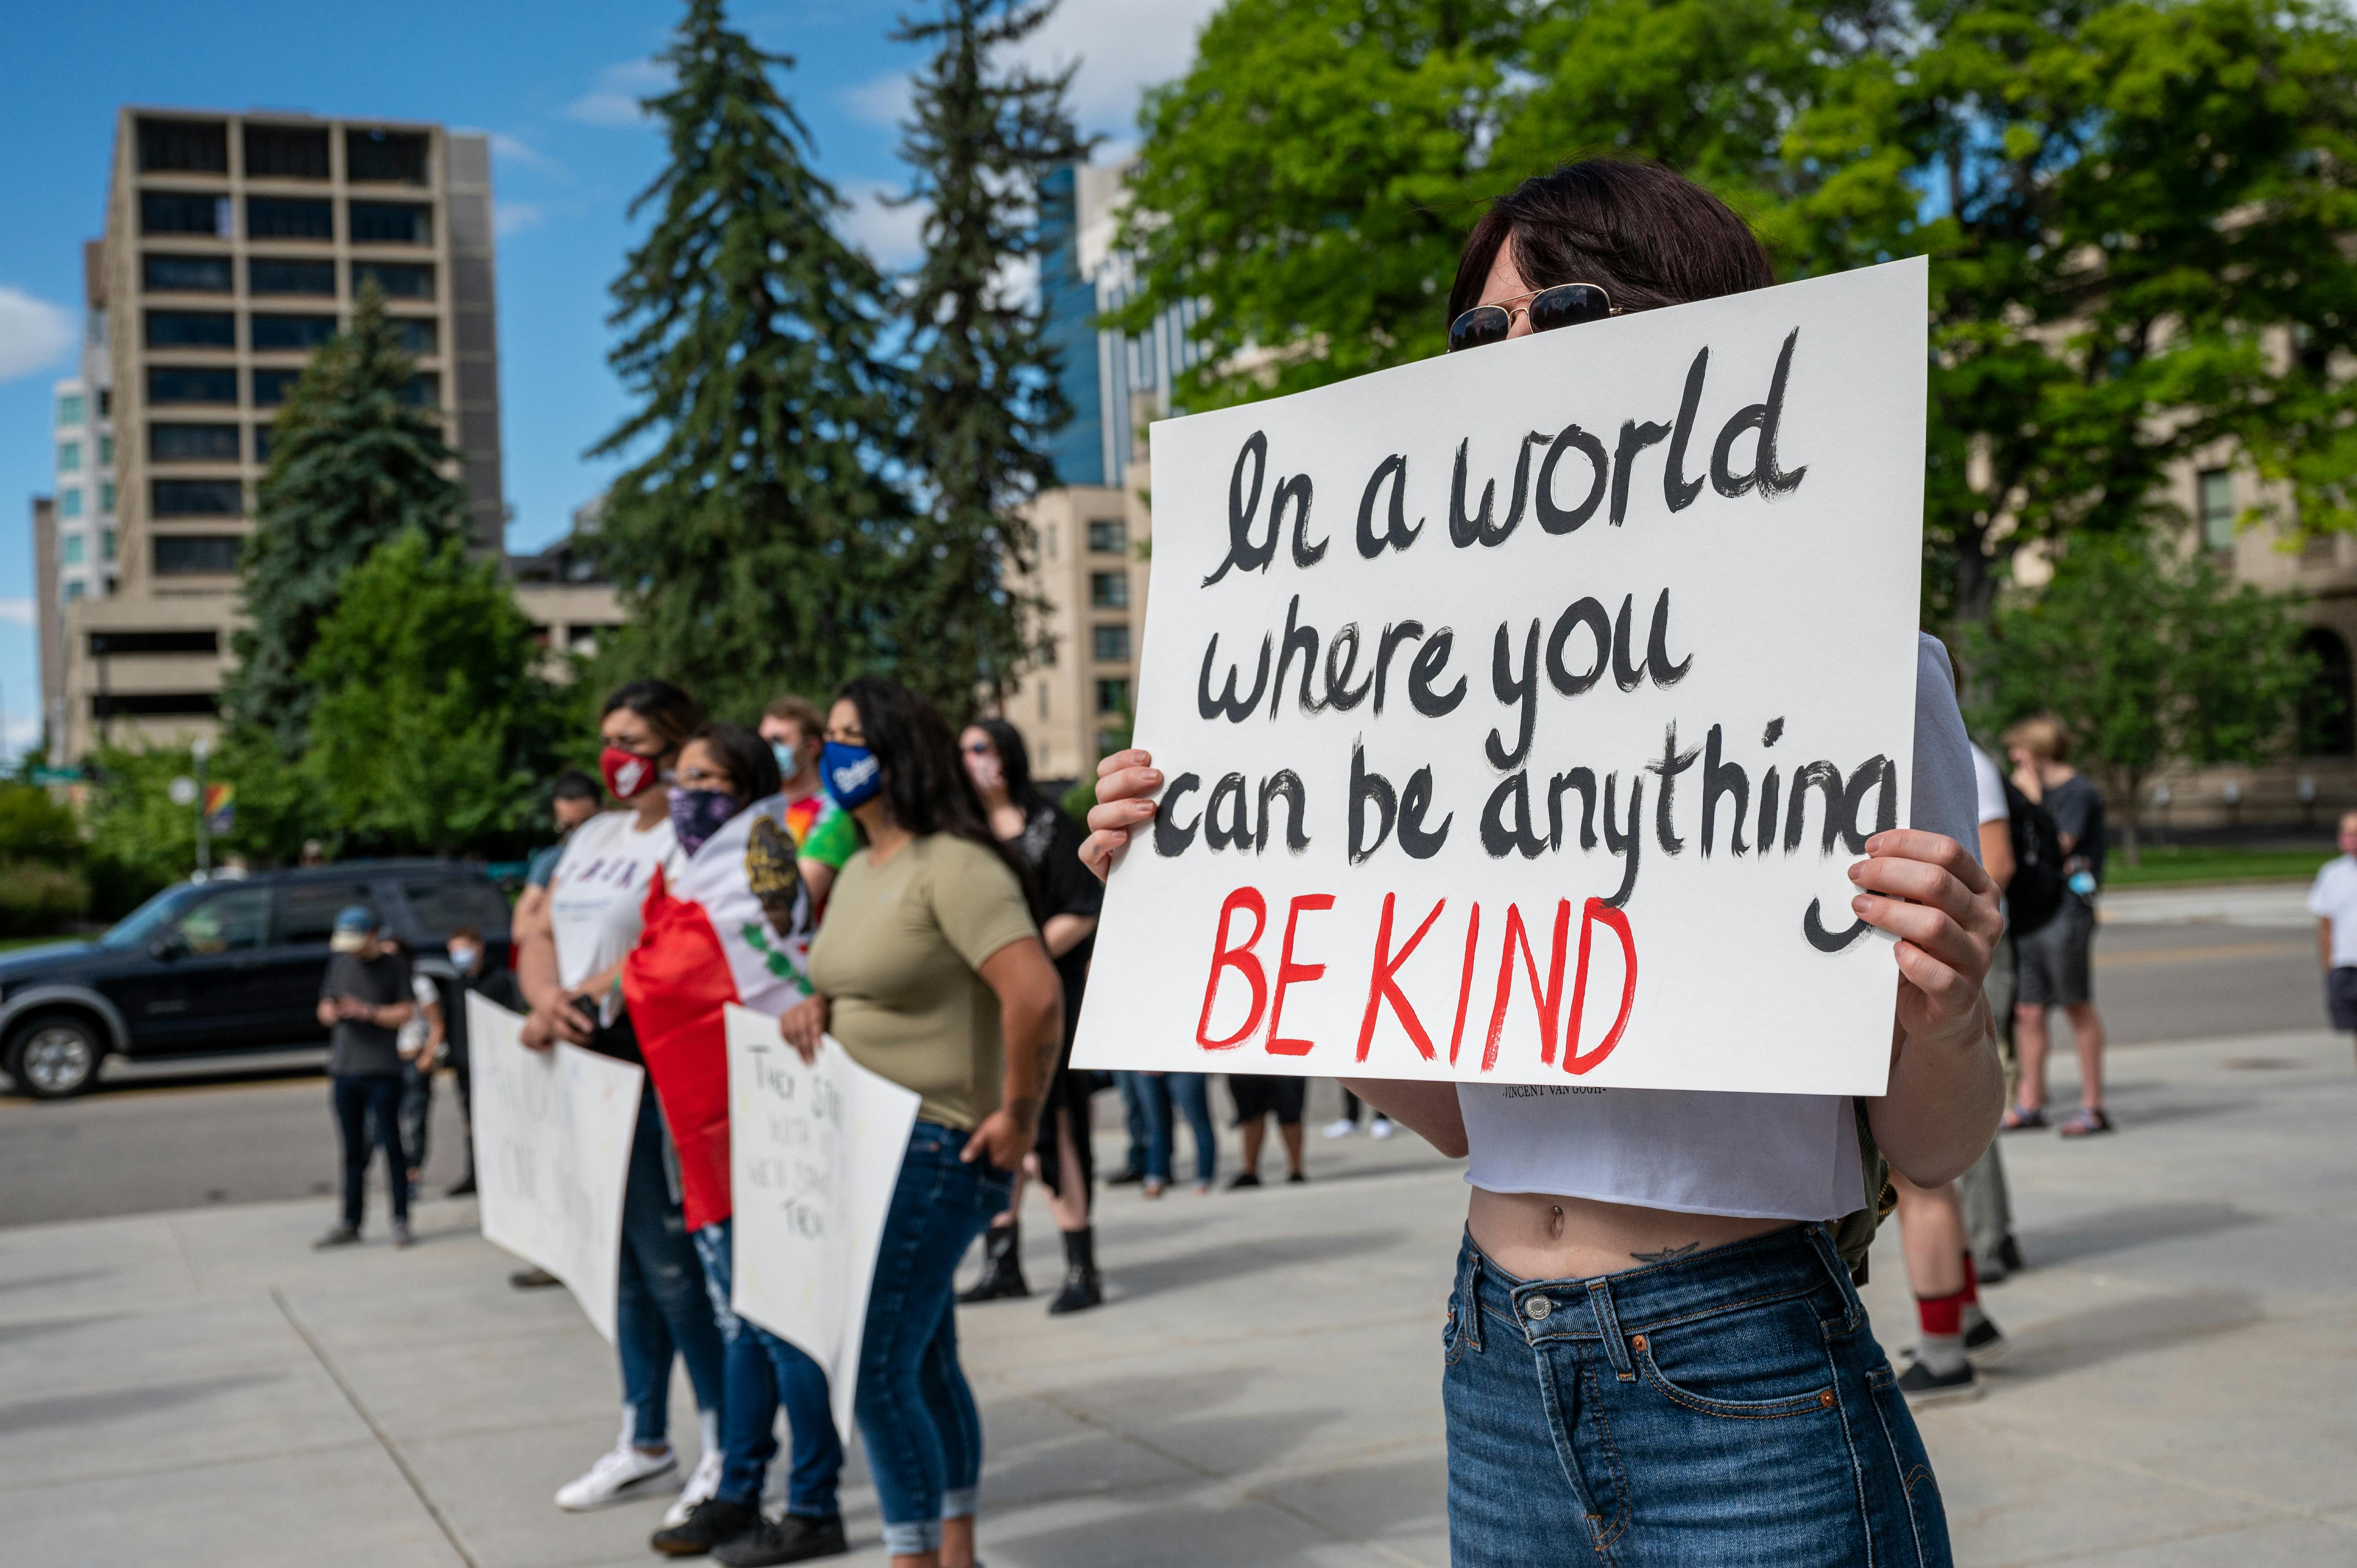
x: 363, y: 1001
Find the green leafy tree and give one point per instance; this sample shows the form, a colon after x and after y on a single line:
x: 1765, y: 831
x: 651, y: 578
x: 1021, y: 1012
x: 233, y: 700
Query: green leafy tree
x: 139, y: 840
x: 983, y: 399
x: 2146, y: 659
x: 353, y: 462
x: 755, y: 544
x: 41, y: 885
x: 431, y: 731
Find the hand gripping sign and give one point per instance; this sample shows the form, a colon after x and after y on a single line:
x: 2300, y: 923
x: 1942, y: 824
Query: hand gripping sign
x: 1521, y: 709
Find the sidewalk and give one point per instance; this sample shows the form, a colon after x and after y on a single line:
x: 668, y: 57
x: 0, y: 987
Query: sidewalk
x: 199, y: 1388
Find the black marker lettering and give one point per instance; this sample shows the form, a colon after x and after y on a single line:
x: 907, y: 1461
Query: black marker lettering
x: 1584, y: 781
x: 1511, y: 690
x: 1295, y: 491
x: 1415, y: 801
x: 1237, y: 831
x: 1676, y: 488
x: 1672, y: 763
x: 1366, y: 787
x: 1301, y: 639
x: 1399, y: 536
x: 1498, y: 838
x: 1635, y: 436
x: 1169, y: 838
x: 1385, y: 645
x: 1283, y: 784
x: 1588, y: 613
x: 1718, y: 780
x: 1626, y: 842
x: 1431, y: 663
x: 1242, y: 551
x: 1211, y: 707
x: 1338, y: 695
x: 1553, y: 517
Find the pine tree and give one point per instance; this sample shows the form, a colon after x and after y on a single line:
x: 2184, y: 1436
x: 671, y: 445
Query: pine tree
x: 754, y: 544
x: 986, y: 399
x: 353, y: 462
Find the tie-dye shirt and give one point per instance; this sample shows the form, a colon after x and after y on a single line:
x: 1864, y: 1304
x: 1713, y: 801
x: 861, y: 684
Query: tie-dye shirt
x: 822, y: 830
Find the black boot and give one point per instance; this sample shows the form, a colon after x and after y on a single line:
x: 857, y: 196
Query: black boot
x: 1002, y: 1266
x: 1082, y: 1288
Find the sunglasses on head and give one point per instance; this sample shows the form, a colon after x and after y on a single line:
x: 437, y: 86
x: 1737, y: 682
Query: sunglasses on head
x: 1564, y: 305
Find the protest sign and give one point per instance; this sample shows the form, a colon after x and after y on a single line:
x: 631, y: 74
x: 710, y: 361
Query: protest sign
x: 1521, y: 709
x: 552, y: 1153
x: 816, y: 1150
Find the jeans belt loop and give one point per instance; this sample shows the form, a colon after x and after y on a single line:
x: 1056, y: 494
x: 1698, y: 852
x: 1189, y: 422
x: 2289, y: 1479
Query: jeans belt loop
x: 1469, y: 1293
x: 1820, y: 1240
x: 1608, y: 1323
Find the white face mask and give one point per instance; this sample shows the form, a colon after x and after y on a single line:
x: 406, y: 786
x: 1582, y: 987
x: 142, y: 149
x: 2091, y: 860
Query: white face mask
x: 785, y: 753
x: 463, y: 956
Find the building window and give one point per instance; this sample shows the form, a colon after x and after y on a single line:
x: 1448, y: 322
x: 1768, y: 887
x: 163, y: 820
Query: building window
x: 1112, y: 696
x: 106, y: 543
x: 191, y: 329
x: 395, y: 155
x: 106, y: 401
x: 70, y: 408
x: 185, y: 274
x: 69, y: 456
x: 74, y: 589
x: 183, y: 213
x: 199, y: 498
x: 106, y: 499
x: 391, y: 224
x: 263, y: 443
x: 69, y: 550
x: 2217, y: 508
x: 417, y: 334
x: 1109, y: 536
x: 192, y: 383
x: 395, y: 279
x: 285, y: 152
x: 192, y: 442
x: 197, y: 554
x: 184, y: 146
x: 106, y: 644
x: 69, y: 503
x: 1109, y: 590
x: 276, y: 275
x: 106, y: 451
x: 1043, y: 699
x: 1110, y: 644
x: 423, y: 391
x: 268, y: 334
x: 272, y: 388
x: 288, y: 218
x: 153, y: 705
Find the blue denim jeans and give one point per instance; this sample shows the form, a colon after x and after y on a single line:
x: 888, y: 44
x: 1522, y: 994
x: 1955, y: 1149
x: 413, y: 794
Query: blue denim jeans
x: 1190, y: 1092
x: 661, y: 1306
x: 916, y: 1413
x: 368, y: 1112
x: 1728, y: 1407
x: 762, y: 1371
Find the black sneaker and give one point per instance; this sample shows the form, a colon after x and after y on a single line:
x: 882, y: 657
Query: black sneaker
x: 711, y: 1524
x: 1923, y: 1386
x: 797, y: 1538
x: 1983, y: 1343
x: 463, y: 1187
x: 1243, y: 1178
x: 1128, y: 1175
x: 533, y: 1278
x: 341, y: 1236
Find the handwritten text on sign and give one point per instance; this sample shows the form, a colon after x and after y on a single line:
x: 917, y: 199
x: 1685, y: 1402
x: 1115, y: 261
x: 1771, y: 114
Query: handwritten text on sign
x: 815, y: 1151
x: 1521, y: 709
x: 552, y: 1134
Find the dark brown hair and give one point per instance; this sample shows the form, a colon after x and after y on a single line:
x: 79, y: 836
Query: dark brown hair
x: 670, y: 712
x: 1650, y: 237
x: 752, y: 766
x: 925, y: 784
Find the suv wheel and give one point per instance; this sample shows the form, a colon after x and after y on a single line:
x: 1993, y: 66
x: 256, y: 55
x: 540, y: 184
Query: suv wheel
x: 55, y: 1056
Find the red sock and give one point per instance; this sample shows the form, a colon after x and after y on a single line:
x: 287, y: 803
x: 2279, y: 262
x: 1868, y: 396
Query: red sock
x: 1971, y: 1294
x: 1941, y: 1313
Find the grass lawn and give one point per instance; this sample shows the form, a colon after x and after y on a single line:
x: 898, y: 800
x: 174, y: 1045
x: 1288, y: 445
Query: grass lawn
x: 9, y: 944
x: 2213, y: 862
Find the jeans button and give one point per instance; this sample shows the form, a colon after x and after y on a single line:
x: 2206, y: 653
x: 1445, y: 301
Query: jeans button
x: 1537, y: 1307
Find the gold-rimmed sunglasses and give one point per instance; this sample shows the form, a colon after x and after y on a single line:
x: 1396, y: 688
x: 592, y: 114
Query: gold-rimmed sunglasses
x: 1564, y: 305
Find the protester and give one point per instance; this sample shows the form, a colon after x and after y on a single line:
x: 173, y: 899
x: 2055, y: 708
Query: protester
x: 734, y: 870
x: 1986, y: 1199
x: 2333, y: 901
x: 1562, y: 1360
x: 930, y: 971
x: 1190, y: 1093
x: 313, y: 853
x: 466, y: 953
x: 2052, y: 963
x: 568, y: 962
x: 364, y: 1001
x: 1259, y: 1096
x: 822, y: 830
x: 576, y: 800
x: 420, y: 1043
x: 1047, y: 843
x: 1347, y: 1123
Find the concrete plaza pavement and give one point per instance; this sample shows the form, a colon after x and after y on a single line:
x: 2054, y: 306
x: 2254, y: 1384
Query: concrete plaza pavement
x: 199, y: 1388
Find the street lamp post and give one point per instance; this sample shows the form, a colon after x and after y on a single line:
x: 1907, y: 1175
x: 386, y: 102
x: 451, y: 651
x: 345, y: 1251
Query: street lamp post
x: 204, y: 833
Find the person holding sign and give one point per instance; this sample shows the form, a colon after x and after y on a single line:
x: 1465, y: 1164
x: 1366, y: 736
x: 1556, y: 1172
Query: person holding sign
x: 1655, y: 1341
x: 930, y: 971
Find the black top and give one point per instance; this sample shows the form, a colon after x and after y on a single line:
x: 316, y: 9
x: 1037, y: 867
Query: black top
x: 2077, y: 807
x: 1050, y: 845
x: 496, y: 986
x: 358, y: 1049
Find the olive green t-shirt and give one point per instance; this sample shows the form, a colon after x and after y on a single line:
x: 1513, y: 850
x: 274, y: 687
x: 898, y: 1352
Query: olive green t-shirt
x: 897, y: 959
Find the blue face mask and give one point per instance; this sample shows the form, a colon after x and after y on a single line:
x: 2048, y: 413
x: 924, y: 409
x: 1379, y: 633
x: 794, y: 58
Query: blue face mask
x: 785, y: 756
x: 853, y: 775
x: 697, y: 814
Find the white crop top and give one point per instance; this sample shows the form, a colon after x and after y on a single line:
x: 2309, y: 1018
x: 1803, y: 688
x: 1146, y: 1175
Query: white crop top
x: 1782, y: 1157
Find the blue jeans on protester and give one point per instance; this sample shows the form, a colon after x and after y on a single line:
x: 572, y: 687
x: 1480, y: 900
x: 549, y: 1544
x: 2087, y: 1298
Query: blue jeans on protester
x: 916, y: 1413
x: 1156, y: 1094
x: 1729, y: 1407
x: 661, y: 1306
x: 762, y: 1371
x: 368, y: 1112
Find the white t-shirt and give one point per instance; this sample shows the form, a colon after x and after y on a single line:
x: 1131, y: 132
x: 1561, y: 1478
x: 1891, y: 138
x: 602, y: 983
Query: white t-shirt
x: 413, y: 1034
x: 2334, y: 898
x: 1989, y: 784
x: 599, y: 888
x: 1785, y: 1156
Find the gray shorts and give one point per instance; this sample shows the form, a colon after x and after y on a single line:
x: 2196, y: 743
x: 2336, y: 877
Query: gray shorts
x: 2051, y: 961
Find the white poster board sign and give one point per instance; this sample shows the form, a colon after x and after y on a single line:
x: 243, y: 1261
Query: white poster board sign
x: 1523, y: 708
x: 814, y: 1152
x: 552, y: 1134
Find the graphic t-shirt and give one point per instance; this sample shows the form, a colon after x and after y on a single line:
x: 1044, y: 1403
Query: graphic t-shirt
x: 594, y: 897
x: 357, y: 1049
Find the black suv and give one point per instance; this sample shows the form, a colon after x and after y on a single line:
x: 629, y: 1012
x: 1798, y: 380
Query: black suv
x: 229, y: 964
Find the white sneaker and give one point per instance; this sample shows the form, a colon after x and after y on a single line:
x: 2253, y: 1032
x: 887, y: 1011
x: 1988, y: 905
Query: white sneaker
x: 1379, y: 1128
x: 703, y: 1486
x: 1341, y: 1129
x: 620, y: 1472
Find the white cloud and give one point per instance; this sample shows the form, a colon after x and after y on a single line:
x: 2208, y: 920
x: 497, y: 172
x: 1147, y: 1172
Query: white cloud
x: 33, y: 333
x: 1124, y: 48
x: 518, y: 217
x: 15, y: 612
x: 515, y: 149
x: 883, y: 101
x: 893, y: 236
x: 613, y: 98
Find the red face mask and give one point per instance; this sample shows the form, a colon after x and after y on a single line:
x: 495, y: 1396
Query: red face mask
x: 628, y: 775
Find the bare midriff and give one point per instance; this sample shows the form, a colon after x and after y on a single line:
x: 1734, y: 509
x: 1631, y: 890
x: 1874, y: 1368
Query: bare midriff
x: 1543, y: 1236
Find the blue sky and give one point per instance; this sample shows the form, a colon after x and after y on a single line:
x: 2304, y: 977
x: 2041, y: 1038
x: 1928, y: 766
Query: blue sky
x: 554, y: 84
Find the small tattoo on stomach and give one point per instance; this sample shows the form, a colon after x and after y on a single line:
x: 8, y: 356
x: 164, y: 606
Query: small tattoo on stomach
x: 1667, y: 1255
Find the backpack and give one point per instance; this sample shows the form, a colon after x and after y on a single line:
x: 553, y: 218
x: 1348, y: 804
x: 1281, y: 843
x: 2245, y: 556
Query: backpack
x: 2035, y: 891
